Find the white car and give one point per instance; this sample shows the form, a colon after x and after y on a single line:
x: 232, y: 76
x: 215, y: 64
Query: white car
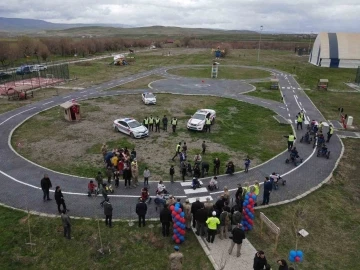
x: 131, y: 127
x: 148, y: 98
x: 197, y: 121
x: 37, y: 68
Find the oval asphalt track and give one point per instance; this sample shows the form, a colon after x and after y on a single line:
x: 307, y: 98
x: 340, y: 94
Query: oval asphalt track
x: 20, y: 178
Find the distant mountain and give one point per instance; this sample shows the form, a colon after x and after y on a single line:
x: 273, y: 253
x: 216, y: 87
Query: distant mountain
x: 31, y: 25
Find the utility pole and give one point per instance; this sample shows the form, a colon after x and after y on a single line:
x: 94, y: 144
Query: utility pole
x: 258, y: 58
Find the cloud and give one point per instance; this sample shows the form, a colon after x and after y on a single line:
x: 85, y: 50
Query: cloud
x: 274, y: 15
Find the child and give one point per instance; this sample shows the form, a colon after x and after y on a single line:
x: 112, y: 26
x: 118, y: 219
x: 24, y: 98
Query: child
x: 247, y: 164
x: 117, y: 178
x: 172, y: 172
x: 146, y: 176
x: 91, y: 188
x: 213, y: 183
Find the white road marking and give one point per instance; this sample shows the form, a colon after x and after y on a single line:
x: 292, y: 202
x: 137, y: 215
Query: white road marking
x: 289, y: 120
x: 304, y: 110
x: 85, y: 95
x: 288, y: 87
x: 293, y: 91
x: 198, y: 190
x: 48, y: 103
x: 82, y: 92
x: 249, y: 98
x: 202, y: 199
x: 287, y: 109
x: 265, y: 102
x: 16, y: 115
x: 189, y: 183
x: 282, y: 107
x: 283, y: 87
x: 299, y: 88
x: 306, y: 122
x: 300, y: 103
x: 67, y: 97
x: 289, y: 115
x: 295, y: 96
x: 308, y: 118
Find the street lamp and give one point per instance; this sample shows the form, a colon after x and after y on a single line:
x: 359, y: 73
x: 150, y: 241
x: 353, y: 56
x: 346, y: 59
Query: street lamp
x: 258, y: 58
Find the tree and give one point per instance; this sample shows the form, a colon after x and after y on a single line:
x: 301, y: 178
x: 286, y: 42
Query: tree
x: 44, y: 52
x: 26, y: 46
x: 4, y: 52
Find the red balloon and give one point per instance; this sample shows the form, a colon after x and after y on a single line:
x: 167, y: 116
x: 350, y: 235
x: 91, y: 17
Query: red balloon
x: 252, y: 210
x: 251, y: 200
x: 251, y: 222
x: 182, y: 232
x: 173, y: 213
x: 172, y: 207
x: 177, y: 241
x: 182, y: 220
x: 178, y: 217
x: 297, y: 259
x: 179, y: 210
x: 175, y: 226
x: 244, y: 212
x: 248, y: 206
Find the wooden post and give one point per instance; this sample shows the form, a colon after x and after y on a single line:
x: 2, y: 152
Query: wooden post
x: 276, y: 242
x: 261, y: 228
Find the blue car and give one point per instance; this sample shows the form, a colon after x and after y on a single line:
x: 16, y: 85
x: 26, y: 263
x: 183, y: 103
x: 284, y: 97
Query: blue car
x: 23, y: 70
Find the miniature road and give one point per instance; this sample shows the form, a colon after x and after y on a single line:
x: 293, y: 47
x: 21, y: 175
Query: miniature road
x: 20, y: 178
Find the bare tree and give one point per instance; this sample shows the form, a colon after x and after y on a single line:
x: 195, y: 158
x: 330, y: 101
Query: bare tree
x: 4, y: 52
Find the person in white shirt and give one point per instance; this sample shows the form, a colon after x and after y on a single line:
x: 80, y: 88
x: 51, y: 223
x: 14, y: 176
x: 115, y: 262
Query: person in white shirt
x: 146, y: 176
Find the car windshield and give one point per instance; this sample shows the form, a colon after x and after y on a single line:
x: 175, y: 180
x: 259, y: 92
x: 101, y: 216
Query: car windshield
x: 149, y: 95
x: 199, y: 116
x: 134, y: 124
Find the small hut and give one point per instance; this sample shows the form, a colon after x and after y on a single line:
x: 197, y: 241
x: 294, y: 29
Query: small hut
x: 323, y: 84
x: 71, y: 110
x: 274, y: 84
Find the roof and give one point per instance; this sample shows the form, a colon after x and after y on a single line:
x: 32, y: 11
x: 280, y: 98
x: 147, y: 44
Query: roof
x: 69, y: 104
x: 274, y: 80
x: 323, y: 80
x: 339, y: 45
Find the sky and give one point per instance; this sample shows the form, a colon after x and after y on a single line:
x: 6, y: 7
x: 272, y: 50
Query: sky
x: 302, y: 16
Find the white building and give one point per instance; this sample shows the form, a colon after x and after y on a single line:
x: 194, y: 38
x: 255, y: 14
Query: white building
x: 336, y: 50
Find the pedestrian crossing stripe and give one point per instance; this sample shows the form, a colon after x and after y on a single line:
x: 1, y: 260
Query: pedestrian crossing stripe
x: 198, y: 190
x: 283, y: 87
x: 202, y: 199
x: 189, y: 183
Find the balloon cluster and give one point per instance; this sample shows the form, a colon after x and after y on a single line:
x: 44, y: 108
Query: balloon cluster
x: 248, y: 211
x: 296, y: 256
x: 178, y: 223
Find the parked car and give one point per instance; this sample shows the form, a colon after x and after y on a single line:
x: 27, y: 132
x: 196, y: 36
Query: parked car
x: 23, y: 70
x: 197, y: 121
x: 4, y: 75
x: 148, y: 98
x: 130, y: 127
x: 37, y: 68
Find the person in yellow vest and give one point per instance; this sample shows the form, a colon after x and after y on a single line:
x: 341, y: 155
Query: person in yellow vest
x: 302, y: 115
x: 151, y: 123
x: 146, y: 122
x: 212, y: 223
x: 291, y: 139
x: 330, y: 133
x: 321, y: 126
x: 174, y: 124
x: 177, y: 150
x: 299, y: 120
x: 157, y: 124
x: 207, y: 124
x: 256, y: 187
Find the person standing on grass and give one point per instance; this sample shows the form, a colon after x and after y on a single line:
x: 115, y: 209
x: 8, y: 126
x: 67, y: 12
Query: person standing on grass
x: 157, y: 124
x: 184, y: 148
x: 141, y: 209
x: 165, y: 219
x: 66, y: 224
x: 207, y: 124
x: 108, y: 212
x: 172, y: 172
x: 146, y: 176
x: 216, y: 166
x: 282, y: 264
x: 174, y: 124
x: 267, y: 190
x: 203, y: 146
x: 247, y: 164
x: 45, y: 186
x: 177, y: 150
x: 260, y: 261
x: 212, y: 223
x: 146, y: 122
x: 165, y: 123
x: 104, y: 150
x: 188, y: 214
x: 151, y: 123
x: 238, y: 235
x: 176, y: 259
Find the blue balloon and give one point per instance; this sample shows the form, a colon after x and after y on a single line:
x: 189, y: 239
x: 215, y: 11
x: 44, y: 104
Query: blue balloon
x: 182, y: 214
x: 183, y: 226
x: 299, y: 253
x: 176, y: 208
x: 293, y: 253
x: 182, y: 238
x: 246, y: 197
x: 178, y: 223
x: 177, y: 205
x: 249, y: 226
x: 254, y: 197
x: 175, y: 231
x: 291, y: 259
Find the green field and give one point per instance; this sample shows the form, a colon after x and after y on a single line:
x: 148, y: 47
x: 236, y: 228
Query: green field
x: 231, y: 73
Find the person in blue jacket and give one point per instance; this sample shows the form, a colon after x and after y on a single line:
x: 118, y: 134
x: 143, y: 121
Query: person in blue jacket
x: 267, y: 190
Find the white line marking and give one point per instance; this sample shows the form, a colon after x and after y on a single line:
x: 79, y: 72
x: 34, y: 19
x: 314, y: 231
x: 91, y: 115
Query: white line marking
x: 202, y: 199
x: 299, y: 88
x: 289, y: 115
x: 283, y: 87
x: 293, y: 91
x: 188, y: 184
x: 198, y: 190
x: 308, y: 118
x: 249, y: 98
x: 48, y: 103
x: 306, y: 122
x: 16, y: 115
x: 289, y: 120
x: 85, y: 95
x: 304, y: 110
x: 288, y: 87
x: 282, y: 107
x: 265, y: 102
x: 300, y: 103
x: 82, y: 92
x: 67, y: 97
x: 297, y: 102
x: 287, y: 109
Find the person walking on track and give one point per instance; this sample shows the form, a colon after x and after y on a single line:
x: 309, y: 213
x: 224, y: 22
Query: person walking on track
x: 291, y: 139
x: 45, y: 186
x: 177, y: 150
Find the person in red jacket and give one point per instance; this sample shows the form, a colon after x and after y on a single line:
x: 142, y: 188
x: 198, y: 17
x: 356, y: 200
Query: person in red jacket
x: 92, y: 188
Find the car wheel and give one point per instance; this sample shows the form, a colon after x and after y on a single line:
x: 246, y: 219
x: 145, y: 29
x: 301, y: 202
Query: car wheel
x: 116, y: 129
x: 132, y: 135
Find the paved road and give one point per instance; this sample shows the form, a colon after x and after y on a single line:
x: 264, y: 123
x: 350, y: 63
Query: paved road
x: 21, y: 178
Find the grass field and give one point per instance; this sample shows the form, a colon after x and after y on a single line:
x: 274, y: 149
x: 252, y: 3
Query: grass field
x: 330, y: 215
x: 233, y: 136
x: 231, y: 73
x: 262, y: 91
x: 131, y: 247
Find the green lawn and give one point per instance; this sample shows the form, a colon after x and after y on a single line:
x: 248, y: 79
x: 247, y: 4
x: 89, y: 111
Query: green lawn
x: 131, y: 247
x: 330, y: 215
x: 263, y: 91
x: 231, y: 73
